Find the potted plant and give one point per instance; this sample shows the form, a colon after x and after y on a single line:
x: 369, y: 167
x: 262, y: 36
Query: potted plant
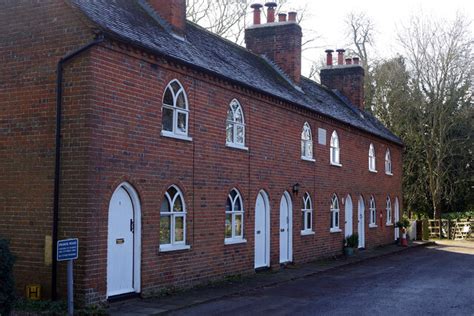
x: 350, y: 243
x: 403, y: 224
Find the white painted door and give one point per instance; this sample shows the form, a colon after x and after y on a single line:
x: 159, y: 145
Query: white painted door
x: 262, y: 238
x: 361, y: 222
x: 348, y: 216
x: 120, y: 244
x: 397, y: 218
x: 286, y: 229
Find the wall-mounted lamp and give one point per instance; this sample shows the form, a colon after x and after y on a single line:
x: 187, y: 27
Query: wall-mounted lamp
x: 296, y: 188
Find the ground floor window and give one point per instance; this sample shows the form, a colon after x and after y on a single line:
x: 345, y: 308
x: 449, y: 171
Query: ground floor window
x: 172, y: 220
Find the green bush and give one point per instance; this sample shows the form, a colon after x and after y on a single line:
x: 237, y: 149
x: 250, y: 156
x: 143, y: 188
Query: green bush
x: 403, y: 223
x: 7, y: 288
x: 352, y: 241
x: 458, y: 215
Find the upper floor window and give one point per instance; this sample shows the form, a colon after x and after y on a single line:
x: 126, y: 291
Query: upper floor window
x: 173, y: 221
x: 334, y: 213
x: 307, y: 213
x: 389, y: 211
x: 175, y: 112
x: 372, y: 158
x: 334, y: 153
x: 306, y: 143
x: 235, y: 128
x: 234, y: 218
x: 388, y: 162
x: 373, y: 212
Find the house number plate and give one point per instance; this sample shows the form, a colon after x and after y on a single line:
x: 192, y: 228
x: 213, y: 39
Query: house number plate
x: 119, y: 241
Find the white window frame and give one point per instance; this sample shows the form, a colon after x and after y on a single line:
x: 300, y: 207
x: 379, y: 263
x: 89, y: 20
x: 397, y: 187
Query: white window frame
x: 235, y: 125
x: 335, y: 214
x: 176, y: 132
x: 334, y: 152
x: 307, y: 209
x: 373, y: 212
x: 234, y: 239
x: 174, y: 245
x: 372, y: 166
x: 388, y: 163
x: 307, y: 142
x: 389, y: 212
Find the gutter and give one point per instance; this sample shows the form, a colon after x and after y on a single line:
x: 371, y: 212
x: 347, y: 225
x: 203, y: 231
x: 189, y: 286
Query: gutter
x: 57, y: 164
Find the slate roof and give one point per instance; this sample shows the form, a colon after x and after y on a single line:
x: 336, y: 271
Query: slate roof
x: 131, y: 21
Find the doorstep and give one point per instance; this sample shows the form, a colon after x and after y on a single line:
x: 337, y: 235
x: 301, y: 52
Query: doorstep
x: 203, y: 294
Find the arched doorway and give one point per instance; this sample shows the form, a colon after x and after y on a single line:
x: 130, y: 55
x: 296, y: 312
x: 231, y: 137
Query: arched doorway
x: 361, y: 221
x: 348, y: 216
x: 123, y: 242
x: 262, y: 231
x: 286, y: 228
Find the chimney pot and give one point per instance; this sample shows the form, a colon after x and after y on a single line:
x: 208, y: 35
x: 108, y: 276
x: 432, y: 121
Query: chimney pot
x: 348, y: 61
x: 281, y: 17
x: 356, y: 60
x: 329, y: 57
x: 292, y: 16
x: 256, y: 13
x: 340, y: 56
x: 270, y: 11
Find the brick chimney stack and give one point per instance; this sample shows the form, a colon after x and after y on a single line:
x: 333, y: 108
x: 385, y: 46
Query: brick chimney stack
x: 279, y: 41
x: 173, y: 11
x: 346, y: 78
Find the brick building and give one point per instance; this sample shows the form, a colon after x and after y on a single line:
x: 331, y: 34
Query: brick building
x: 182, y: 157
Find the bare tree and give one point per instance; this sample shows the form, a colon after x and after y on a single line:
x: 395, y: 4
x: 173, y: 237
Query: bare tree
x: 439, y: 56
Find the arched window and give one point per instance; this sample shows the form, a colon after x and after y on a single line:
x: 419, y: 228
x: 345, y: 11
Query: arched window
x: 389, y: 211
x: 373, y: 212
x: 235, y: 128
x: 388, y: 162
x: 334, y: 153
x: 372, y: 158
x: 175, y: 112
x: 334, y: 213
x: 173, y: 220
x: 306, y: 143
x: 307, y: 213
x: 234, y: 217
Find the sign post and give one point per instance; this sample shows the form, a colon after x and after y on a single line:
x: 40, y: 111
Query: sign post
x: 68, y: 250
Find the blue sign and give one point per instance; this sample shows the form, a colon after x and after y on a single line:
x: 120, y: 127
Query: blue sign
x: 68, y: 249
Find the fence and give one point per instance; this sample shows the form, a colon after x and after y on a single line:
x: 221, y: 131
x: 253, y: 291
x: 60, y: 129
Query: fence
x: 459, y: 229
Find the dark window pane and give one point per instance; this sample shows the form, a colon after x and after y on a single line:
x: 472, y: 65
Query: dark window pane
x: 181, y: 102
x: 165, y: 230
x: 172, y: 191
x: 167, y: 119
x: 182, y: 122
x: 168, y: 98
x: 165, y: 205
x: 175, y: 87
x: 179, y: 228
x: 308, y: 220
x: 178, y: 205
x: 237, y: 206
x: 228, y: 225
x: 228, y: 205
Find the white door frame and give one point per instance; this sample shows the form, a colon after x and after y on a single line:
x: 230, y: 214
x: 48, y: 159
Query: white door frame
x: 289, y: 256
x: 397, y: 218
x: 348, y: 209
x: 361, y: 221
x: 267, y: 228
x: 136, y: 234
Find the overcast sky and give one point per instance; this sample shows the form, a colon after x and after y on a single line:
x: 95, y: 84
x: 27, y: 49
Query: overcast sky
x: 327, y: 19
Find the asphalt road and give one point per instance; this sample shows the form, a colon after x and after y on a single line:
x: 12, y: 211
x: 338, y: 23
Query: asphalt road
x: 436, y: 280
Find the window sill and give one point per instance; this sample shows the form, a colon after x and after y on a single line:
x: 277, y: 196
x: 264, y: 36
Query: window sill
x: 166, y: 248
x: 389, y: 173
x: 335, y: 230
x: 307, y: 232
x: 374, y: 171
x: 235, y: 146
x: 233, y: 241
x: 307, y: 159
x: 373, y: 226
x: 176, y: 136
x: 335, y: 164
x: 388, y: 224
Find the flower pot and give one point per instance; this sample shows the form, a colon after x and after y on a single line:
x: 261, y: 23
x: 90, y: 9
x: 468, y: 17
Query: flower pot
x: 348, y: 252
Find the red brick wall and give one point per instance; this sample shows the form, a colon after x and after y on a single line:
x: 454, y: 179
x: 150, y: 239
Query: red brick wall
x: 34, y: 36
x: 126, y: 145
